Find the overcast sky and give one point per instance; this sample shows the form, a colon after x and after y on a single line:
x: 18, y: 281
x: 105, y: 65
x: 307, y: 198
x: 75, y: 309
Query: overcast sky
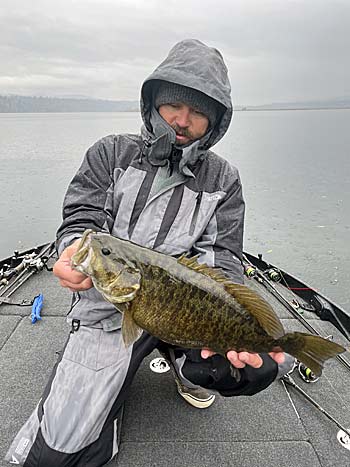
x: 276, y: 51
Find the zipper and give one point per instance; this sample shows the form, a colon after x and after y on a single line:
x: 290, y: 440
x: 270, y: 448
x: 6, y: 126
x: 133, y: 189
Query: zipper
x: 147, y: 143
x: 195, y: 213
x: 75, y: 300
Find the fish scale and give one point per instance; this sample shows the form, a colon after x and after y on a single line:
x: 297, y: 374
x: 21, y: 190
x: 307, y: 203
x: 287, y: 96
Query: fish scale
x: 186, y: 303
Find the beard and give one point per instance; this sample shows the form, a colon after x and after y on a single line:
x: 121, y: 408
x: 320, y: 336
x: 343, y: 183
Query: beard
x: 183, y: 131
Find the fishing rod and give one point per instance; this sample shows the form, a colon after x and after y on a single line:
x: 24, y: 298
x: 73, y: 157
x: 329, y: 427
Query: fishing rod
x: 262, y: 279
x: 9, y: 273
x: 16, y: 274
x: 305, y: 373
x: 30, y: 265
x: 343, y: 436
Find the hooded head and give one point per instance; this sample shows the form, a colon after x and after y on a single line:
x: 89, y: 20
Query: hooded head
x: 193, y: 73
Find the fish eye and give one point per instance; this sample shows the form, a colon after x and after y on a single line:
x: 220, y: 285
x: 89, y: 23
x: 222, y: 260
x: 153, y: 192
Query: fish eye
x: 106, y: 251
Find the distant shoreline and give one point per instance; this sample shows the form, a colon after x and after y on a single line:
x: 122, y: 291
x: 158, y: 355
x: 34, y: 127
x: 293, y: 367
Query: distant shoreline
x: 69, y: 111
x: 137, y: 111
x: 291, y: 108
x: 38, y: 104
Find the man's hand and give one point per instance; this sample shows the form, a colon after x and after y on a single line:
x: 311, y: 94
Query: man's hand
x: 69, y: 277
x: 241, y: 359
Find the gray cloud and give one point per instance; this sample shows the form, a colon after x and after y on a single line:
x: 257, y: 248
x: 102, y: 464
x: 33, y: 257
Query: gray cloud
x: 275, y: 50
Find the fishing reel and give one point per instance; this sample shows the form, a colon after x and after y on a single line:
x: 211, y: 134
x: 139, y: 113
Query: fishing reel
x: 306, y: 374
x: 249, y: 270
x: 273, y: 274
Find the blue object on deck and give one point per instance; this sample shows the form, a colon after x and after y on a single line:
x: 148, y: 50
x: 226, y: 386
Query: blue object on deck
x: 36, y: 308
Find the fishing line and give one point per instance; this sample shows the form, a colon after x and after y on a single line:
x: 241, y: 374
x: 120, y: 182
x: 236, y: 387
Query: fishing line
x: 287, y: 379
x: 260, y: 277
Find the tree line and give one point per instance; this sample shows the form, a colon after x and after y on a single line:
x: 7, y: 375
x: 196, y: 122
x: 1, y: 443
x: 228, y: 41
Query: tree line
x: 15, y: 103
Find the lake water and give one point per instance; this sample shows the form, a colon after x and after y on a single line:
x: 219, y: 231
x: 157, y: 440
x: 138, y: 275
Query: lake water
x: 294, y: 165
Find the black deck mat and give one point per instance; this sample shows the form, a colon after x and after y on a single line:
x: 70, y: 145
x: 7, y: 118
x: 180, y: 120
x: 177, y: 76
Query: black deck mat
x: 160, y: 428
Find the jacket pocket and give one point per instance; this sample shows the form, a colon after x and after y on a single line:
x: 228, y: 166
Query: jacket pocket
x: 94, y: 348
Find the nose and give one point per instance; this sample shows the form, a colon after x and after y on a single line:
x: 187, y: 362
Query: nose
x: 183, y: 117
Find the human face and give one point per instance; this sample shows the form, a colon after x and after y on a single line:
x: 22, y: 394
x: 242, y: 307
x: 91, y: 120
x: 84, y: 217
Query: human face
x: 188, y: 123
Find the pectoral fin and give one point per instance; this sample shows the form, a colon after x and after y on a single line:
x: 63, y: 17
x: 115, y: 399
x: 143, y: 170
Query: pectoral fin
x: 130, y: 330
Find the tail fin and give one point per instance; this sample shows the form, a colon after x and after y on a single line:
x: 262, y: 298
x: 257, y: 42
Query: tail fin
x: 311, y: 350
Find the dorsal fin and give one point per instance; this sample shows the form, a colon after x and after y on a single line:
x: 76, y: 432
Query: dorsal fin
x: 258, y: 307
x: 192, y: 263
x: 248, y: 298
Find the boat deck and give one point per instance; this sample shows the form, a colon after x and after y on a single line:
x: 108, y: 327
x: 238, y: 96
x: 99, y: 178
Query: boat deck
x: 159, y: 427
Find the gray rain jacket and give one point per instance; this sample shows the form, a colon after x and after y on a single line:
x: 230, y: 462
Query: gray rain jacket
x: 145, y: 189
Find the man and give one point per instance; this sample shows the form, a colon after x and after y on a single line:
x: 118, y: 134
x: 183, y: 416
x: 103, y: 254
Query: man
x: 163, y: 189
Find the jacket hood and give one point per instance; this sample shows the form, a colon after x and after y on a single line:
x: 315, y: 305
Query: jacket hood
x: 195, y: 65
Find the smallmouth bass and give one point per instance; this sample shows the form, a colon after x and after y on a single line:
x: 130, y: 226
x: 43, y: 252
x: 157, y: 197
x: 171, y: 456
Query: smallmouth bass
x: 188, y: 304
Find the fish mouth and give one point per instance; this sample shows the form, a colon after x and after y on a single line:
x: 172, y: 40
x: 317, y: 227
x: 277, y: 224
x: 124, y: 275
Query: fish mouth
x: 81, y: 258
x: 127, y: 297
